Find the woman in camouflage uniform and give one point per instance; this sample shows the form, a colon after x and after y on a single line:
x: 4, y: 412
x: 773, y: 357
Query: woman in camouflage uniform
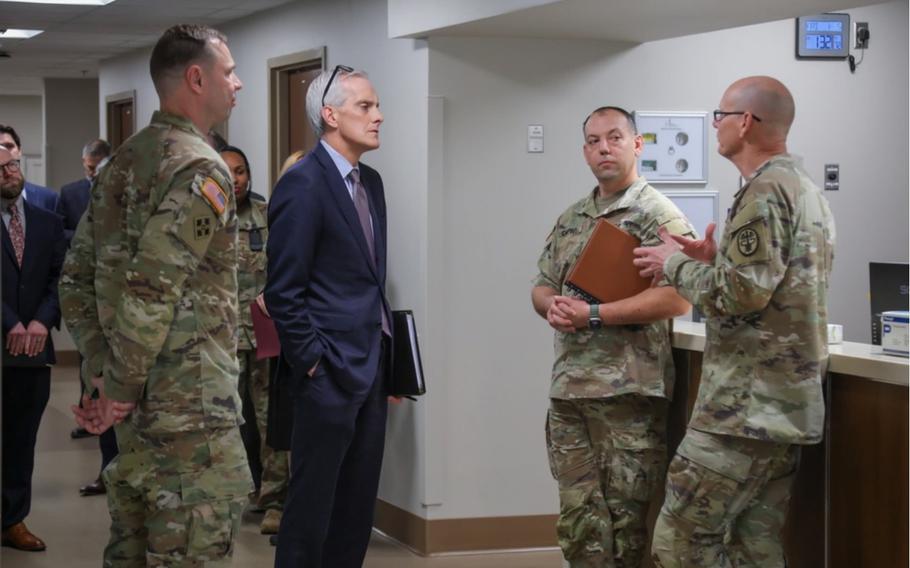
x: 252, y: 216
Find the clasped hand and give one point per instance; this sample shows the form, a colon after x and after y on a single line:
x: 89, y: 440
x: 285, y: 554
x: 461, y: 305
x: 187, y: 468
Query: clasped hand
x: 97, y: 415
x: 26, y: 340
x: 567, y: 314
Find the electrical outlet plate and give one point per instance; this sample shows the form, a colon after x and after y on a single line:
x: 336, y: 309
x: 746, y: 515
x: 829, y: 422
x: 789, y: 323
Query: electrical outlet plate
x: 858, y: 43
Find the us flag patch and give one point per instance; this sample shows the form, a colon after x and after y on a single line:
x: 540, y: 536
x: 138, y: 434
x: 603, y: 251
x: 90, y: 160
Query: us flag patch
x: 213, y: 193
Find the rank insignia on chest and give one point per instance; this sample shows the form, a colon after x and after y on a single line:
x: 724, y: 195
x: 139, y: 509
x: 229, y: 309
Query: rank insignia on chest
x: 203, y: 227
x: 747, y: 241
x: 215, y: 196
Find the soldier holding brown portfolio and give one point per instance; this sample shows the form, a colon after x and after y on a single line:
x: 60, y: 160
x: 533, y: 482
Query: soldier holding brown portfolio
x: 613, y: 370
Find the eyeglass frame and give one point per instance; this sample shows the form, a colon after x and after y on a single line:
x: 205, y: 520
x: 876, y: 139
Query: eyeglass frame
x: 335, y: 71
x: 12, y: 166
x: 724, y: 114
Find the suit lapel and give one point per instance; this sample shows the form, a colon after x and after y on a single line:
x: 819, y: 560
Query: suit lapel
x: 379, y: 230
x: 8, y: 247
x: 343, y: 200
x: 32, y: 237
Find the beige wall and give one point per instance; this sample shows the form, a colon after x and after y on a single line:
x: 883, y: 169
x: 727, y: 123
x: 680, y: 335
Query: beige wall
x: 499, y: 203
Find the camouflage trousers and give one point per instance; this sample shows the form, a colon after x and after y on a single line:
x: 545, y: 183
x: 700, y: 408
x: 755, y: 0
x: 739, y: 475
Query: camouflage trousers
x: 607, y: 455
x: 176, y: 499
x: 726, y: 503
x: 254, y: 381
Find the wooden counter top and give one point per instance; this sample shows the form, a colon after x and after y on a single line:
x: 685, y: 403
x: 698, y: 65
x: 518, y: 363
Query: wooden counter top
x: 847, y: 358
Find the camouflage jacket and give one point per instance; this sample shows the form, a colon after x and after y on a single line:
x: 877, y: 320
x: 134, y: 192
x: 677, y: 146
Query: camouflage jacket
x: 615, y: 359
x: 765, y: 296
x: 149, y: 290
x: 253, y: 232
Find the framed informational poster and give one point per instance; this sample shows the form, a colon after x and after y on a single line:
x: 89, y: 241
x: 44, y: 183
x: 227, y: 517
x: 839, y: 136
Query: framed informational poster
x: 675, y: 146
x: 700, y: 206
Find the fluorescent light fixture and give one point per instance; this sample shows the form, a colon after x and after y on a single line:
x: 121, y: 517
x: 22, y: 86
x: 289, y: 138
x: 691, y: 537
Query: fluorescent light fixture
x: 18, y: 34
x: 67, y: 2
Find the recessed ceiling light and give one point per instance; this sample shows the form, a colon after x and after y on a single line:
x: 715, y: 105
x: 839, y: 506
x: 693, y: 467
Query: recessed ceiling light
x: 18, y: 34
x: 68, y: 2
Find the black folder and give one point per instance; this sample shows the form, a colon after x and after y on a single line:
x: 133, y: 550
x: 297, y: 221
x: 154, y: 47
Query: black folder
x: 39, y: 360
x: 407, y: 378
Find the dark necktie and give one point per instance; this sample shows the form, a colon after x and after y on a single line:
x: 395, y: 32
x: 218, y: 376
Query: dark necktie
x: 362, y: 205
x: 16, y: 233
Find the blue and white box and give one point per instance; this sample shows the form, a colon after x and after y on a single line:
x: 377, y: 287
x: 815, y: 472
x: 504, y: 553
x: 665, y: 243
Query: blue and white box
x: 896, y: 333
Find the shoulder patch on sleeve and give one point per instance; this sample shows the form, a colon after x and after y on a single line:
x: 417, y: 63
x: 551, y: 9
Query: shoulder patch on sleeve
x: 213, y: 194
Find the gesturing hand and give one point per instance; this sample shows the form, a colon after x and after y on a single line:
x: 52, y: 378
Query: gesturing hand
x: 702, y: 250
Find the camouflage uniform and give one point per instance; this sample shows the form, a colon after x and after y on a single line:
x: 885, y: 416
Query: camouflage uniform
x: 761, y: 389
x: 608, y: 398
x: 252, y: 216
x: 149, y: 293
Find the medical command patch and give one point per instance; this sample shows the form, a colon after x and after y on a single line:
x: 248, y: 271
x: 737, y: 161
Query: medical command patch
x: 213, y: 193
x: 747, y: 241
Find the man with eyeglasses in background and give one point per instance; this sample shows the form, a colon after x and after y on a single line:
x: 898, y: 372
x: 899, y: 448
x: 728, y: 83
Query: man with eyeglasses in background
x: 33, y: 249
x: 764, y: 290
x: 326, y: 294
x: 33, y: 193
x: 613, y: 372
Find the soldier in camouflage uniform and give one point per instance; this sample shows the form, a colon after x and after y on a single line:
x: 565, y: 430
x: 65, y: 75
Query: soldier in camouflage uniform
x: 764, y: 291
x: 252, y: 216
x: 150, y: 296
x: 613, y: 372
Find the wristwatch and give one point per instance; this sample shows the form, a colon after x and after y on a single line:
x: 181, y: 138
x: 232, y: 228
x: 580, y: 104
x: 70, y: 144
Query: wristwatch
x: 594, y: 321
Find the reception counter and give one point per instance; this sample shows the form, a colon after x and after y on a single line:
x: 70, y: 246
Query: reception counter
x: 849, y: 506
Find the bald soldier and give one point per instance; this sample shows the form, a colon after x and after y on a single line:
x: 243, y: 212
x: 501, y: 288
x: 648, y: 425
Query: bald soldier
x: 150, y: 296
x: 764, y: 290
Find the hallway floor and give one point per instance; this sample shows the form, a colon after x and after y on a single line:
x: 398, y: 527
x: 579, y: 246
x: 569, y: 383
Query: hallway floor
x: 75, y: 528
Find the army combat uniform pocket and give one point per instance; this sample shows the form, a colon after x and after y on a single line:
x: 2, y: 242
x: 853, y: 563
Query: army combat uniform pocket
x: 703, y: 480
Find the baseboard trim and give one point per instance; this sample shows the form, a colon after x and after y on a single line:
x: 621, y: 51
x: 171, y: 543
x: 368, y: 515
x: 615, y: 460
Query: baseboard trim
x: 441, y: 536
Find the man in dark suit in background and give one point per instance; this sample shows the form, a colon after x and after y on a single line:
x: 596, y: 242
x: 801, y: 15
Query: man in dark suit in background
x: 33, y: 249
x: 74, y: 196
x: 73, y: 202
x: 34, y: 193
x: 326, y: 293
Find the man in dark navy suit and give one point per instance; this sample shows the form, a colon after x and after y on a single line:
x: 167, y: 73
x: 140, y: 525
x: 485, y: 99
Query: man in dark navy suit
x: 34, y: 193
x: 33, y: 249
x: 73, y: 202
x: 74, y: 196
x: 326, y: 293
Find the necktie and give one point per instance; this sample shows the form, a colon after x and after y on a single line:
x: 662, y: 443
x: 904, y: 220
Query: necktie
x: 363, y: 212
x: 16, y: 233
x: 362, y: 205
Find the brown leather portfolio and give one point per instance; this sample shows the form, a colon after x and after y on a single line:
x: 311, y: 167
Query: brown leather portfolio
x: 604, y: 271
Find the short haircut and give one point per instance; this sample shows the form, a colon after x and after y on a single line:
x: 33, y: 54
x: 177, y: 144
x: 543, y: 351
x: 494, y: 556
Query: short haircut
x: 335, y: 96
x: 629, y: 118
x: 4, y: 129
x: 177, y: 48
x: 97, y: 148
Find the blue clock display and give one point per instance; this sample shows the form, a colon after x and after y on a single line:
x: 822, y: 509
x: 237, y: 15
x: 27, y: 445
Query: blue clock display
x: 824, y: 36
x: 824, y: 41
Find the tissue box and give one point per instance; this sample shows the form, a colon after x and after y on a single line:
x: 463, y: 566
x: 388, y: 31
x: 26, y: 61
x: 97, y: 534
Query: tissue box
x: 896, y: 333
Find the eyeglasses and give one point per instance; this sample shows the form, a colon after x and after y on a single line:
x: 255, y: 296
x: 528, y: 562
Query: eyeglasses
x: 343, y: 68
x: 720, y: 114
x: 11, y: 166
